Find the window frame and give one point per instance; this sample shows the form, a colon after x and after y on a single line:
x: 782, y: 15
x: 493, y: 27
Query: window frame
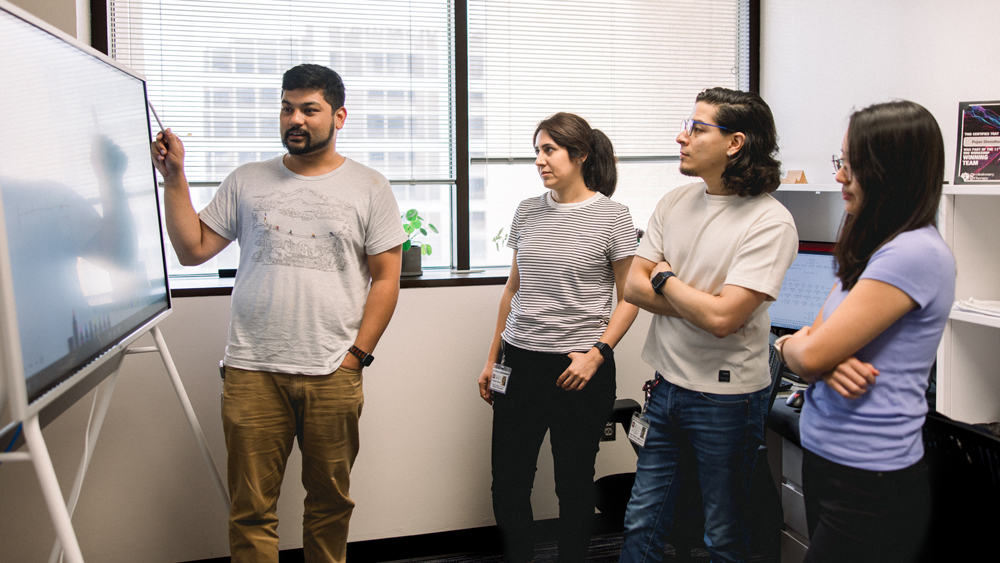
x: 99, y: 27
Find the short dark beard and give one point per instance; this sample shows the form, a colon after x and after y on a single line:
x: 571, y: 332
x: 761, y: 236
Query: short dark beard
x: 308, y: 147
x: 686, y: 172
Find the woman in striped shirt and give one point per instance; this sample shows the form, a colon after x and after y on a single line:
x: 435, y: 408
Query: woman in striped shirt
x: 550, y: 366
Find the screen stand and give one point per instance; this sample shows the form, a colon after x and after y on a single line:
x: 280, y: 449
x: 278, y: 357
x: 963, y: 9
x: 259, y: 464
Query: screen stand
x: 38, y: 454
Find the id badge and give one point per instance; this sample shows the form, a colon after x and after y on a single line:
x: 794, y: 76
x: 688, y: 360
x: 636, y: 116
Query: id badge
x: 500, y: 378
x: 639, y: 429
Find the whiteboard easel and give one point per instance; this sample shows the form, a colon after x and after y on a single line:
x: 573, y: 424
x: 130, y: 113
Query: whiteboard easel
x: 13, y: 394
x: 62, y: 511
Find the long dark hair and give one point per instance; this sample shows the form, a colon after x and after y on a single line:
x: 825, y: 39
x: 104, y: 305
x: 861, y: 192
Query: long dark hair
x: 753, y: 170
x: 896, y: 155
x: 572, y: 132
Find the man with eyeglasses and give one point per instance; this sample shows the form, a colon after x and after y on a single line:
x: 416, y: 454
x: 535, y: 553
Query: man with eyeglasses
x: 712, y: 259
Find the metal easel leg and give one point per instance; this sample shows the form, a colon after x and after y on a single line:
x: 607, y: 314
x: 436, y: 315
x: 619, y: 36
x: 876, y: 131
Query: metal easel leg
x: 182, y: 395
x: 101, y: 401
x: 50, y: 489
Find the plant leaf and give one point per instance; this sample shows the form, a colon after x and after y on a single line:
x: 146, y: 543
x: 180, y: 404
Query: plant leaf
x: 425, y: 249
x: 407, y: 245
x: 423, y: 232
x: 432, y: 227
x: 407, y: 228
x: 411, y: 215
x: 415, y: 224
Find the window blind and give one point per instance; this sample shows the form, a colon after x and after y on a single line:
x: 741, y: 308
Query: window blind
x: 630, y: 67
x: 214, y: 74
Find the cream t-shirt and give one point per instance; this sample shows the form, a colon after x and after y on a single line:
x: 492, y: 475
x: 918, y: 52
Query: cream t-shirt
x: 711, y: 241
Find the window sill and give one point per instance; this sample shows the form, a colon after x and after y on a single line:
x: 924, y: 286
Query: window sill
x: 206, y: 286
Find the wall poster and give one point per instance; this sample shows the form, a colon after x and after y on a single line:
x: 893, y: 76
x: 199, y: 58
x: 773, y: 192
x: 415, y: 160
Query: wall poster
x: 978, y: 150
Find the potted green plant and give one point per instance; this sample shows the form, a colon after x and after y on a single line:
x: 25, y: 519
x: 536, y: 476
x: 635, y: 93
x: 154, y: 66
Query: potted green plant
x: 414, y: 249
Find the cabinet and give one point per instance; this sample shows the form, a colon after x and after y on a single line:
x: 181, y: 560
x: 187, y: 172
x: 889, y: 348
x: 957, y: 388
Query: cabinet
x: 969, y: 356
x: 795, y: 536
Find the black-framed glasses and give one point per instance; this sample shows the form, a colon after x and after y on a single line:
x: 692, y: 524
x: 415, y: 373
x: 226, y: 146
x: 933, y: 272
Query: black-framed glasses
x: 687, y: 126
x: 838, y: 163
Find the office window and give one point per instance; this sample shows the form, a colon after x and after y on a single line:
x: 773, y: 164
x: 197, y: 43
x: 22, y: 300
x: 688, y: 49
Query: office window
x: 214, y: 75
x: 632, y: 68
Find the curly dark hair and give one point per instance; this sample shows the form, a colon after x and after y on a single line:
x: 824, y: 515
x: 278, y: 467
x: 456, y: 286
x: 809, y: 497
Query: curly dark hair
x: 572, y: 132
x: 895, y: 153
x: 316, y: 77
x: 753, y: 170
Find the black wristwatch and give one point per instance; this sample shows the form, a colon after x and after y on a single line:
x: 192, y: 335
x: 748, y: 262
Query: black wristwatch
x: 605, y: 350
x: 660, y: 279
x: 365, y: 357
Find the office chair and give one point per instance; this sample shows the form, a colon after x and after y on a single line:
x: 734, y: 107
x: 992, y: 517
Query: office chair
x: 964, y: 466
x: 613, y: 491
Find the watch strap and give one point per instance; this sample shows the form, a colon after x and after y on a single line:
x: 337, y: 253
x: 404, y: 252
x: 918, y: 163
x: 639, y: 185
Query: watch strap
x: 605, y: 350
x: 365, y: 357
x: 779, y: 344
x: 659, y: 280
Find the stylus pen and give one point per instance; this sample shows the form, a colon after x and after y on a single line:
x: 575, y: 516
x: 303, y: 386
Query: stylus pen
x: 158, y: 122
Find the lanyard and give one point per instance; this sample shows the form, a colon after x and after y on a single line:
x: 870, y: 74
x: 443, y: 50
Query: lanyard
x: 647, y: 389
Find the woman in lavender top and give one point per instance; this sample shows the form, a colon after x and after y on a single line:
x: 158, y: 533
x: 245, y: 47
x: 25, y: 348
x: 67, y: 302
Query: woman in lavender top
x: 869, y: 352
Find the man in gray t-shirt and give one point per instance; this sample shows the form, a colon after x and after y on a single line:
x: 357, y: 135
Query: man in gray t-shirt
x: 314, y: 227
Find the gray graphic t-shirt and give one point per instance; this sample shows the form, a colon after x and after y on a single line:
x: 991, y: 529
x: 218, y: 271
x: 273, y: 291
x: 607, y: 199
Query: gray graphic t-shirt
x: 303, y: 275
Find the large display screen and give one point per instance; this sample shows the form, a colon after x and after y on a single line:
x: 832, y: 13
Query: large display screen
x: 806, y: 286
x: 79, y: 201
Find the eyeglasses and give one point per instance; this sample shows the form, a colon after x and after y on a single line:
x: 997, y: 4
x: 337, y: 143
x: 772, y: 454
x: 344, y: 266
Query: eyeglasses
x: 838, y: 163
x: 687, y: 126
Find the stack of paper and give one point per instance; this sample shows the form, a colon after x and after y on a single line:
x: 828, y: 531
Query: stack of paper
x: 971, y: 305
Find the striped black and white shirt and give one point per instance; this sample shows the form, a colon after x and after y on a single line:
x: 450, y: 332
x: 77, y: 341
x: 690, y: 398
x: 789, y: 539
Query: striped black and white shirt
x: 564, y: 256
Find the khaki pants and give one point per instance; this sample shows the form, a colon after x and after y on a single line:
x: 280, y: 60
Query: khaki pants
x: 262, y: 413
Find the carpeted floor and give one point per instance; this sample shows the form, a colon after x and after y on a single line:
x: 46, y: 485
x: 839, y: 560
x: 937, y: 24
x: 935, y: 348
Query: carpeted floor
x: 603, y: 549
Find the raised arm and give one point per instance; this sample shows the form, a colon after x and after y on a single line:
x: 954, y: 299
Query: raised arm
x: 193, y: 240
x: 381, y: 302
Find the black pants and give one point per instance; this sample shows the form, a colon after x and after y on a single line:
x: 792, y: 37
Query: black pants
x: 533, y: 404
x: 858, y: 516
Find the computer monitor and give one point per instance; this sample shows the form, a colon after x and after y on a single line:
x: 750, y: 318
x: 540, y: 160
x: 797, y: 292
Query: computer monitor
x: 806, y: 286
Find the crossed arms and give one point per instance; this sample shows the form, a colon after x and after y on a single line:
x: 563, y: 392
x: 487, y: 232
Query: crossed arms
x: 719, y: 315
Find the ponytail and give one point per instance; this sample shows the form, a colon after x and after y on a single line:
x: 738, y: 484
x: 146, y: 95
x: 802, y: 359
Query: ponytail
x: 600, y: 170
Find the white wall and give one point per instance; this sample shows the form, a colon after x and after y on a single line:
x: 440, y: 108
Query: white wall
x: 822, y: 60
x: 424, y: 464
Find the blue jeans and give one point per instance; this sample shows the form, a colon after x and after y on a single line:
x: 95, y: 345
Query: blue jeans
x: 722, y: 433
